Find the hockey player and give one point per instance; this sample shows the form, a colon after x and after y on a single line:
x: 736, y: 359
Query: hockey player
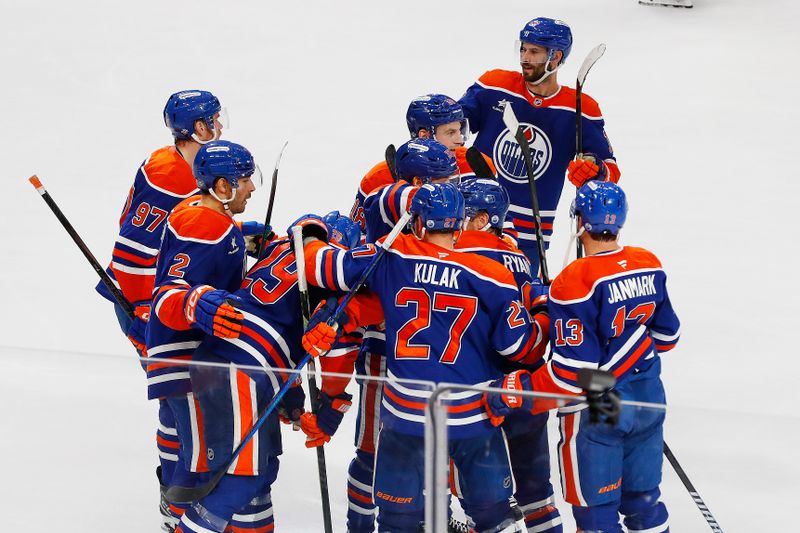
x: 419, y: 161
x: 609, y: 310
x: 432, y: 116
x: 444, y: 312
x: 486, y: 204
x: 163, y: 180
x: 547, y: 111
x: 201, y: 259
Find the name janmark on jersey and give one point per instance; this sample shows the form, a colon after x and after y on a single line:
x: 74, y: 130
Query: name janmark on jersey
x: 631, y: 288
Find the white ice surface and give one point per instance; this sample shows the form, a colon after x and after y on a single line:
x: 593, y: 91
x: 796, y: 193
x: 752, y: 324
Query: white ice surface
x: 700, y: 108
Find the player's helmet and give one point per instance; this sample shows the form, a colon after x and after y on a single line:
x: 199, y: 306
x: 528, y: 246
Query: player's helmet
x: 222, y: 159
x: 342, y: 229
x: 551, y: 33
x: 485, y: 195
x: 433, y: 110
x: 439, y: 206
x: 601, y: 205
x: 426, y: 159
x: 184, y: 108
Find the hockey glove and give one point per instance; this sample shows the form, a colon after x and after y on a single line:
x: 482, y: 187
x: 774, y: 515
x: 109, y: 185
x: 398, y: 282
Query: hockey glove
x: 586, y: 168
x: 313, y: 226
x: 498, y: 405
x: 292, y: 405
x: 539, y: 295
x: 320, y: 427
x: 253, y: 232
x: 604, y: 407
x: 322, y: 332
x: 136, y: 330
x: 210, y: 310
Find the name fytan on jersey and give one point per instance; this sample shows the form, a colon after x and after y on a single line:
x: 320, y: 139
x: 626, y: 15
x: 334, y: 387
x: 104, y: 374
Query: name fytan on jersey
x: 443, y: 276
x: 631, y: 288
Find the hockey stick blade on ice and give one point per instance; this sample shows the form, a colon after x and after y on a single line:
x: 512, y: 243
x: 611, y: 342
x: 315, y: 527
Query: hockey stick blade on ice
x: 179, y: 494
x: 479, y: 165
x: 104, y: 277
x: 712, y: 522
x: 591, y: 58
x: 271, y: 203
x: 305, y: 309
x: 511, y: 122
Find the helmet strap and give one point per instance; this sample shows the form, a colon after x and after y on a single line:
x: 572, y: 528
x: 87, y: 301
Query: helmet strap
x: 571, y: 245
x: 224, y: 202
x: 547, y: 71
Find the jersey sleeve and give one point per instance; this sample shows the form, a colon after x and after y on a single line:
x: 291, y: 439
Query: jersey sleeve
x: 471, y: 103
x: 665, y: 328
x: 336, y: 269
x: 516, y: 336
x: 575, y: 345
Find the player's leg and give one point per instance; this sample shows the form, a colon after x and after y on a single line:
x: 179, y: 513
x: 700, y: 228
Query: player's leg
x: 485, y: 481
x: 168, y: 457
x: 399, y: 480
x: 529, y: 453
x: 644, y: 458
x: 590, y: 460
x: 361, y: 508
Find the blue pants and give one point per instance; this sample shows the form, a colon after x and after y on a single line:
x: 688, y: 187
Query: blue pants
x: 483, y: 468
x: 610, y: 470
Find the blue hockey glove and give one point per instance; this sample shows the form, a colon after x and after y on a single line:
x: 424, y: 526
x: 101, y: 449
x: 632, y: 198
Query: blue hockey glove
x: 253, y: 233
x: 313, y: 226
x: 540, y: 293
x: 320, y: 427
x: 210, y: 310
x: 498, y: 405
x: 292, y: 405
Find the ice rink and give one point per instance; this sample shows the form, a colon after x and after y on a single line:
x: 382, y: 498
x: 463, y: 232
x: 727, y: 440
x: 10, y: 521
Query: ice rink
x: 698, y: 105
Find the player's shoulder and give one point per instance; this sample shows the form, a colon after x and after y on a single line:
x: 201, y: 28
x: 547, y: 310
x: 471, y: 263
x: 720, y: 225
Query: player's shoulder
x: 167, y: 171
x: 471, y: 241
x: 191, y: 221
x: 580, y: 278
x: 508, y: 80
x: 565, y: 98
x: 375, y: 178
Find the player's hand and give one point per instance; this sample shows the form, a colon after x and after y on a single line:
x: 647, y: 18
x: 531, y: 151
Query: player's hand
x: 312, y: 225
x: 319, y: 339
x: 320, y: 427
x: 499, y: 405
x: 210, y: 310
x: 540, y: 293
x: 585, y: 168
x: 292, y: 405
x: 253, y: 232
x: 136, y: 330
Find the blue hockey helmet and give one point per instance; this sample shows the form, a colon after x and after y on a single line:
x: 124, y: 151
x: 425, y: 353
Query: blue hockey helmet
x: 439, y: 206
x: 222, y: 159
x: 432, y: 110
x: 426, y: 159
x: 342, y: 229
x: 485, y: 195
x: 184, y: 108
x: 553, y: 34
x: 601, y: 205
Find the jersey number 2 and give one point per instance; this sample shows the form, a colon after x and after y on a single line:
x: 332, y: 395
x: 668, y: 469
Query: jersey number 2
x: 465, y: 308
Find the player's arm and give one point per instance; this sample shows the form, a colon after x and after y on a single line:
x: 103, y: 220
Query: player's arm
x: 596, y: 148
x: 473, y: 110
x: 517, y: 335
x: 389, y: 203
x: 377, y: 177
x: 665, y: 328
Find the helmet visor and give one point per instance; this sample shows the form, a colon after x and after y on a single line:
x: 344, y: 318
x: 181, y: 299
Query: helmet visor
x: 222, y: 118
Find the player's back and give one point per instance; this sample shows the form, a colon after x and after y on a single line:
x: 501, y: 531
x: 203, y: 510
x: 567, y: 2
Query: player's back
x: 162, y: 181
x: 446, y: 314
x: 612, y: 309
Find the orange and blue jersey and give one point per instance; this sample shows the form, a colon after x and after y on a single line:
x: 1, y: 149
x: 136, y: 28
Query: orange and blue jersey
x: 447, y: 315
x: 608, y: 311
x: 502, y: 251
x: 162, y: 181
x: 200, y: 246
x: 549, y: 124
x: 379, y: 176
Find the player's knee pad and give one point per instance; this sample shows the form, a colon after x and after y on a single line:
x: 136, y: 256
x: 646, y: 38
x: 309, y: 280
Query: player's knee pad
x: 360, y: 505
x: 542, y: 516
x: 644, y: 512
x: 257, y: 516
x: 603, y: 518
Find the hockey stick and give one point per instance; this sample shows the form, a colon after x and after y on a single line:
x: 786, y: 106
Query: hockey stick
x: 692, y: 491
x: 479, y: 165
x: 104, y: 277
x: 268, y: 219
x: 305, y: 309
x: 179, y: 494
x: 595, y: 54
x: 511, y: 122
x: 391, y: 161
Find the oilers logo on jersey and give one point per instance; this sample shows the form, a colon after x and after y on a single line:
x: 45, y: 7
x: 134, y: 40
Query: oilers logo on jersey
x: 507, y: 154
